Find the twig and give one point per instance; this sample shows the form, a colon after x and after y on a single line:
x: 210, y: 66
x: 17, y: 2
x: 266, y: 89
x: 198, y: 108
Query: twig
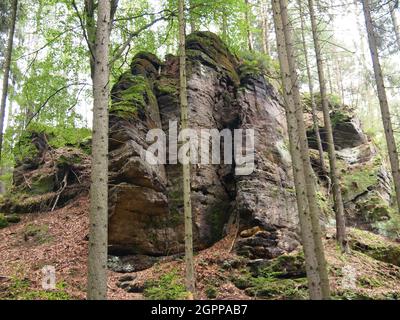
x: 64, y: 184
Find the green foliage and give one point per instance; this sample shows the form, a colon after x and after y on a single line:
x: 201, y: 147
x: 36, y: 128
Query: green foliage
x: 20, y: 289
x: 369, y: 282
x: 168, y: 287
x: 374, y: 246
x: 13, y: 218
x: 211, y: 292
x: 281, y: 278
x: 334, y: 101
x: 257, y: 64
x: 357, y: 180
x: 39, y: 233
x: 57, y: 137
x: 3, y: 221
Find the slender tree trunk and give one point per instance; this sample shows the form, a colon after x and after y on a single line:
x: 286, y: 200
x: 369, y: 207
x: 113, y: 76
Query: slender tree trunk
x: 248, y: 26
x: 313, y: 269
x: 308, y: 171
x: 193, y: 26
x: 383, y: 102
x: 396, y: 25
x: 97, y: 262
x: 190, y: 277
x: 337, y: 195
x: 264, y: 26
x: 328, y: 70
x: 90, y: 29
x: 7, y: 64
x: 311, y: 89
x: 224, y: 26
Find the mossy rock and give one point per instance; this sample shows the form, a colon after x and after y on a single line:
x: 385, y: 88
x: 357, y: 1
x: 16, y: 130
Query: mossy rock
x: 132, y: 100
x: 167, y: 86
x: 209, y: 49
x: 284, y: 266
x: 144, y: 68
x: 268, y: 288
x: 69, y: 159
x: 150, y: 57
x: 42, y: 184
x: 357, y: 180
x: 377, y: 247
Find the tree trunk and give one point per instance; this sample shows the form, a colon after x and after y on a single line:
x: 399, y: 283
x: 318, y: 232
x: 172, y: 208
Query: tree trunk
x: 264, y: 26
x: 7, y: 64
x: 248, y: 26
x: 98, y: 217
x: 328, y: 70
x: 311, y: 89
x: 190, y: 278
x: 224, y: 26
x: 90, y: 30
x: 308, y: 236
x: 308, y: 171
x: 383, y: 102
x: 396, y: 25
x: 337, y: 195
x: 193, y: 26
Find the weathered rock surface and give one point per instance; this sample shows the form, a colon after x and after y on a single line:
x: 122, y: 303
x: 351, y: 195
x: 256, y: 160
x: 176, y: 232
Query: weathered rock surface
x: 146, y: 201
x: 365, y: 179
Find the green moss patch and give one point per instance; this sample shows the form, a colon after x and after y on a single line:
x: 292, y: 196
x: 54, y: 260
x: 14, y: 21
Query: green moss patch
x: 209, y: 49
x: 132, y: 95
x: 21, y: 289
x: 38, y: 234
x: 168, y: 287
x: 374, y: 246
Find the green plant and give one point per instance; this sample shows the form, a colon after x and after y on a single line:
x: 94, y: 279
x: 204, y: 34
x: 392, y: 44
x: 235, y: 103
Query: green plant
x: 211, y: 292
x: 19, y: 289
x: 39, y: 233
x: 168, y: 287
x: 3, y: 221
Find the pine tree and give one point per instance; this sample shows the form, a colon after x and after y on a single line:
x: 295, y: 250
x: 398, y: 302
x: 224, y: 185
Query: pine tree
x: 190, y: 277
x: 311, y: 236
x: 6, y: 74
x: 311, y: 88
x: 248, y: 25
x: 337, y: 194
x: 98, y: 216
x: 395, y: 22
x: 383, y: 102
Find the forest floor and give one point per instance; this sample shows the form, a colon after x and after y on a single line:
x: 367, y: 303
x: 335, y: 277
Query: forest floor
x: 59, y: 238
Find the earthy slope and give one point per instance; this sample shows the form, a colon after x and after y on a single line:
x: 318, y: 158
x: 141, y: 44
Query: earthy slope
x: 59, y: 238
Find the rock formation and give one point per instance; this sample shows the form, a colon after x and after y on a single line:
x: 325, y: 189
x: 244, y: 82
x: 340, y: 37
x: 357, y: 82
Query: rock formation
x: 145, y: 200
